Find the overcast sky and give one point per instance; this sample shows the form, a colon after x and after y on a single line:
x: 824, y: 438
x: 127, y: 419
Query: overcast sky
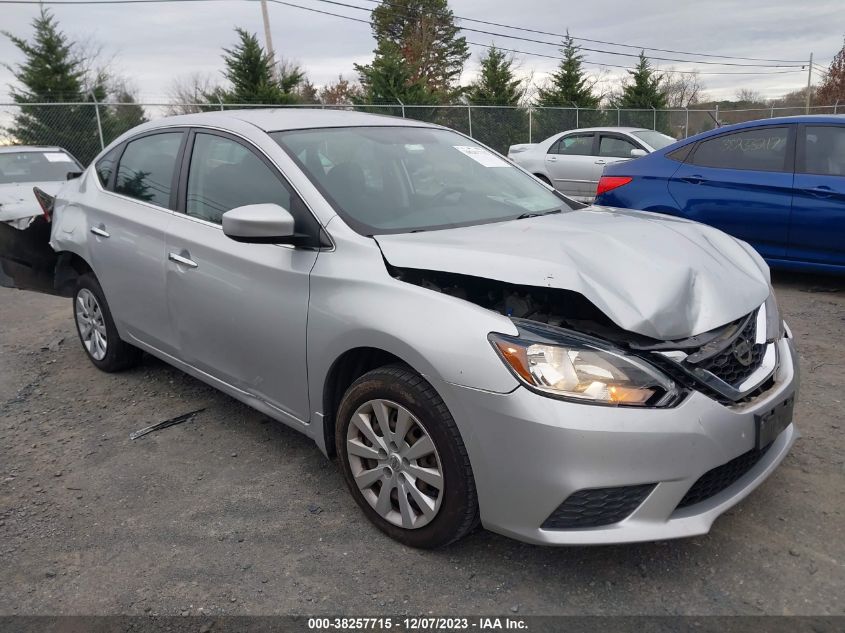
x: 152, y: 44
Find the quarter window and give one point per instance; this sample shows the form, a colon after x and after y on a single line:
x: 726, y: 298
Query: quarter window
x: 615, y: 147
x: 759, y: 149
x: 575, y: 145
x: 147, y: 166
x: 824, y: 150
x: 105, y: 166
x: 225, y: 174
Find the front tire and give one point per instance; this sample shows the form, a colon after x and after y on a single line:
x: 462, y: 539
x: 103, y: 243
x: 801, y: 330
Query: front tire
x: 96, y: 328
x: 403, y: 459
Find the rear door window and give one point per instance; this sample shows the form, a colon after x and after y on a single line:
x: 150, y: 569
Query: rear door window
x: 574, y: 145
x: 824, y: 150
x: 147, y: 168
x: 758, y: 149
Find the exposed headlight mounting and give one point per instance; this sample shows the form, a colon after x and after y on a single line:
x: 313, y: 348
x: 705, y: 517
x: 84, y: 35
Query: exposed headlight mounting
x: 574, y: 367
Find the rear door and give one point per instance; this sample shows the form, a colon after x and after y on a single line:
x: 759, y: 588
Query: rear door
x: 570, y: 163
x: 817, y: 227
x: 239, y: 310
x: 741, y: 182
x: 127, y: 223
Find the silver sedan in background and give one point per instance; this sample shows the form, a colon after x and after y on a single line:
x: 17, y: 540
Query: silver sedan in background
x: 572, y: 161
x: 471, y: 345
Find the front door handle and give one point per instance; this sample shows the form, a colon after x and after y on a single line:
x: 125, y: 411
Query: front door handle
x: 693, y: 180
x: 96, y: 230
x: 190, y: 263
x: 601, y: 162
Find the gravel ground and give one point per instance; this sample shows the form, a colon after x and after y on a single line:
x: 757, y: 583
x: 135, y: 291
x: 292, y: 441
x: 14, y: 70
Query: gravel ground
x: 231, y: 513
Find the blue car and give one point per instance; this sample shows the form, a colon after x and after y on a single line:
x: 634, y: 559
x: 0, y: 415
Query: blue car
x: 778, y: 184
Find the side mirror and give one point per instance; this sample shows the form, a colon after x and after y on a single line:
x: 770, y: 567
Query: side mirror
x: 636, y: 153
x: 259, y: 224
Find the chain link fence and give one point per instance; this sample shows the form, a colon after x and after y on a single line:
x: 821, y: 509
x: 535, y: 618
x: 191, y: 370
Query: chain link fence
x: 84, y: 128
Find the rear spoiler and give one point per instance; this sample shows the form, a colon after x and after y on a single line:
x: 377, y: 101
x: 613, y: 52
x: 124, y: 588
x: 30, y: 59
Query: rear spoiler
x: 45, y: 201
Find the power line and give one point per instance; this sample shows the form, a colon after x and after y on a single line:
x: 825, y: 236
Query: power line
x: 557, y: 44
x: 593, y: 41
x: 368, y: 22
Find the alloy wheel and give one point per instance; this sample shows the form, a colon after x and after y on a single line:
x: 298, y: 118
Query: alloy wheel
x: 91, y: 324
x: 395, y: 464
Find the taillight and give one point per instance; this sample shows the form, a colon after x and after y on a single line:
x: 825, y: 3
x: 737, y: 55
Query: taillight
x: 609, y: 183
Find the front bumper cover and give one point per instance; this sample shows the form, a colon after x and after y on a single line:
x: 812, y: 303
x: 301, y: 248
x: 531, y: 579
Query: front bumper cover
x: 530, y: 452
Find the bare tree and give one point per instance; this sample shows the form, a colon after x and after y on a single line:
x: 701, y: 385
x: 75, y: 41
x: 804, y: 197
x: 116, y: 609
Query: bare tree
x: 748, y: 96
x: 187, y: 93
x: 340, y: 92
x: 682, y: 90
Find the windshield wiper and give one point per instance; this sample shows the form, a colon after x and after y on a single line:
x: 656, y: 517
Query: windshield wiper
x: 534, y: 214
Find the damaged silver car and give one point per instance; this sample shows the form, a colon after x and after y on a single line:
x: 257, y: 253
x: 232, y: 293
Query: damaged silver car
x: 471, y: 345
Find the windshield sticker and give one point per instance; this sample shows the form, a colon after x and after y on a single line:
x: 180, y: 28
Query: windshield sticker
x: 481, y: 156
x: 56, y: 157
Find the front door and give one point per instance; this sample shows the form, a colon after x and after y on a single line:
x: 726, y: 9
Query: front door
x: 817, y: 227
x: 239, y: 310
x: 741, y: 183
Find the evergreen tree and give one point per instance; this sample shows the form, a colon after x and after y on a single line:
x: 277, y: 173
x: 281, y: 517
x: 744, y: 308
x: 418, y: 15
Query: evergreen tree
x: 417, y: 45
x: 568, y: 87
x: 252, y: 76
x: 643, y: 91
x: 389, y: 80
x: 53, y: 71
x: 497, y: 85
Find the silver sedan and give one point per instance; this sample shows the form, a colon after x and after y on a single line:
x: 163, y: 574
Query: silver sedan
x: 470, y: 345
x: 573, y: 161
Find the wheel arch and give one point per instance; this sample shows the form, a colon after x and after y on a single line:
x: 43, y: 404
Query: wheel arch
x: 70, y: 267
x: 346, y: 369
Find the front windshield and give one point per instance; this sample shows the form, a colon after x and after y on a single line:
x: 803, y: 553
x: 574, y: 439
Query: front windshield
x: 47, y: 166
x: 402, y: 179
x: 657, y: 140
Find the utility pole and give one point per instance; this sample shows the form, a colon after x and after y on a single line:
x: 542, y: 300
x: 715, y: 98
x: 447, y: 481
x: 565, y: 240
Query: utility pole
x: 268, y: 39
x: 809, y: 82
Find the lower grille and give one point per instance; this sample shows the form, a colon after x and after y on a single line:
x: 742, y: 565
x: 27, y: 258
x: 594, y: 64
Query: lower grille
x: 716, y: 480
x: 595, y: 507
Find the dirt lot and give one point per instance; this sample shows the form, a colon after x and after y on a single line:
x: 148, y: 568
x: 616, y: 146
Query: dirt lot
x: 233, y: 513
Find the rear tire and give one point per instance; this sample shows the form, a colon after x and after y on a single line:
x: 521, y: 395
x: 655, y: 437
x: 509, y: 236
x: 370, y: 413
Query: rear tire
x: 412, y: 478
x: 97, y: 331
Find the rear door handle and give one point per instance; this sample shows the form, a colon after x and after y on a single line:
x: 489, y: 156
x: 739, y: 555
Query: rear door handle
x: 184, y: 261
x: 551, y: 159
x: 96, y: 230
x: 822, y: 191
x: 601, y: 162
x: 693, y: 180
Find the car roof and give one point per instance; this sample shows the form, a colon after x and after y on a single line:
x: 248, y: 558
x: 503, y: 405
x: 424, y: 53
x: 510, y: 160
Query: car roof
x: 606, y: 129
x: 291, y: 118
x: 12, y: 149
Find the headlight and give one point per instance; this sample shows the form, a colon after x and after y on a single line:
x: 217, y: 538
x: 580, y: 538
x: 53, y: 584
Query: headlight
x: 774, y: 323
x: 583, y: 370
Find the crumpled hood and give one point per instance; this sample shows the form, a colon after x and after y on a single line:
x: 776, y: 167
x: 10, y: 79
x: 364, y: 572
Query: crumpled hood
x: 17, y: 200
x: 652, y: 274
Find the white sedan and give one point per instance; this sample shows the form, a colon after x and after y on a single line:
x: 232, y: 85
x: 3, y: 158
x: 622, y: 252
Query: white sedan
x: 573, y: 161
x: 23, y: 167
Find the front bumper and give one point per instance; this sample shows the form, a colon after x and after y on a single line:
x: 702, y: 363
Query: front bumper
x: 529, y: 453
